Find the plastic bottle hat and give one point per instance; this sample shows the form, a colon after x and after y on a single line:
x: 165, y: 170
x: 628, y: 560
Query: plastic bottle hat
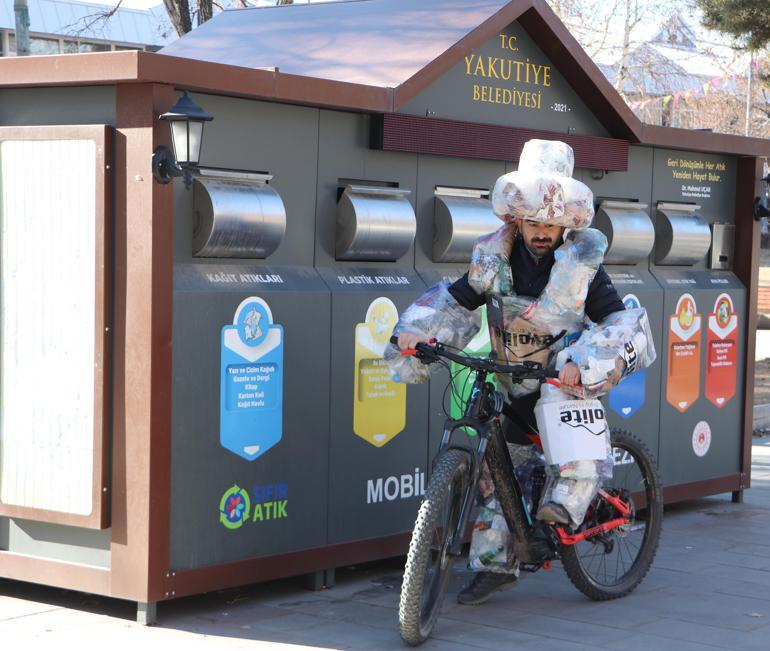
x: 543, y: 190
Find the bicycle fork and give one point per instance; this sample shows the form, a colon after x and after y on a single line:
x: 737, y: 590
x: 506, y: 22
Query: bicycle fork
x: 527, y: 548
x: 493, y: 449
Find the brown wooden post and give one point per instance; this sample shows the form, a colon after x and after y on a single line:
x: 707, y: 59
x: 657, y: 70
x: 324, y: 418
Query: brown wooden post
x: 747, y: 270
x: 142, y: 356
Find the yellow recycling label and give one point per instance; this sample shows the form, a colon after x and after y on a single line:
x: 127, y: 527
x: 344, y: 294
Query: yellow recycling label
x: 379, y: 404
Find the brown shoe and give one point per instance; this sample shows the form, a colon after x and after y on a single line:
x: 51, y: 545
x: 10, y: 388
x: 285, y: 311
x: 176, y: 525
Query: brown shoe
x: 553, y: 512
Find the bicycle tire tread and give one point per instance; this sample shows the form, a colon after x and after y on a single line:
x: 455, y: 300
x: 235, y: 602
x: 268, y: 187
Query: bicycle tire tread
x: 449, y: 464
x: 570, y: 558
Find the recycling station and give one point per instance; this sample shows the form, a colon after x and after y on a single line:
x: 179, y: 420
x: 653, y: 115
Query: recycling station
x: 191, y: 379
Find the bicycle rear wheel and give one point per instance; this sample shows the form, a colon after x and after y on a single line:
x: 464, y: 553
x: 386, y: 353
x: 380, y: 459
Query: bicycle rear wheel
x: 611, y: 565
x: 429, y: 563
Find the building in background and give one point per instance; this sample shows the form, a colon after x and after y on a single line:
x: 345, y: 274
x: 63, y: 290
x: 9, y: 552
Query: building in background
x: 66, y: 26
x: 681, y: 77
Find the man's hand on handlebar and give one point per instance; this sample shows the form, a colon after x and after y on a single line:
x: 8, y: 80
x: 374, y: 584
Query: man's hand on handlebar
x: 570, y: 374
x: 409, y: 340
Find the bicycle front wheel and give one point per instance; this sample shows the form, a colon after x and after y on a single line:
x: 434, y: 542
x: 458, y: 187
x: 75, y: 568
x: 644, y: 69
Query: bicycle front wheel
x: 429, y: 563
x: 612, y: 564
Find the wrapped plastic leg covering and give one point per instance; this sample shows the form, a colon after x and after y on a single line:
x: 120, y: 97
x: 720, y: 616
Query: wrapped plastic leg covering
x: 491, y: 543
x: 574, y: 484
x: 625, y: 335
x: 435, y: 314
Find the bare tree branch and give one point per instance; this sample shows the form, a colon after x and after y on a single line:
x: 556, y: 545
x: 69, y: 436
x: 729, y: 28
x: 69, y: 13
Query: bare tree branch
x: 95, y: 22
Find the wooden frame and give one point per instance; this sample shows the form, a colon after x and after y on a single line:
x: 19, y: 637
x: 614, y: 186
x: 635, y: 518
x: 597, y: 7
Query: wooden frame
x: 140, y: 411
x: 101, y: 136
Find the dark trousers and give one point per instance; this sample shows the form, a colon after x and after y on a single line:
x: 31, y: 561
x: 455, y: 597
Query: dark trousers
x: 519, y: 419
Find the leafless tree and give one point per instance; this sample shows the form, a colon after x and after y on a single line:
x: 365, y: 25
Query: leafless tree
x: 660, y: 90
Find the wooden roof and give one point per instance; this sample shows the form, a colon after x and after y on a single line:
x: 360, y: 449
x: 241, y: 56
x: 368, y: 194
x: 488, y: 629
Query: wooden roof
x: 363, y: 55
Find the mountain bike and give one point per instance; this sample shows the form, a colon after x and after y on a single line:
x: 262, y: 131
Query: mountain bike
x: 606, y: 557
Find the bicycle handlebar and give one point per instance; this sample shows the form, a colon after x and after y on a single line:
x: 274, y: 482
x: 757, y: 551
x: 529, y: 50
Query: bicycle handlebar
x: 430, y: 352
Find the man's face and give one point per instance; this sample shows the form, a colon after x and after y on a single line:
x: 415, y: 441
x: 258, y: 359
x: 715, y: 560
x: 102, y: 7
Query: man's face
x: 540, y: 238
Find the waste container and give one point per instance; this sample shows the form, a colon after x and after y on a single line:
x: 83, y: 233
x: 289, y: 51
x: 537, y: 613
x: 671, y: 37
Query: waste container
x: 634, y: 403
x: 704, y: 309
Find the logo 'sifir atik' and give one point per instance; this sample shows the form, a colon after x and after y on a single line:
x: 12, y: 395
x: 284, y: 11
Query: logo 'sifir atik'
x: 234, y: 508
x: 267, y: 502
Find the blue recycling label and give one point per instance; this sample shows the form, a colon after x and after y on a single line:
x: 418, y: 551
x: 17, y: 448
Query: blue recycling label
x: 251, y: 381
x: 628, y: 396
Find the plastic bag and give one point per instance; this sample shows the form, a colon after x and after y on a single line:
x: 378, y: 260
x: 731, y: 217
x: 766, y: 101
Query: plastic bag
x: 491, y: 545
x: 529, y: 195
x: 490, y: 269
x: 578, y: 204
x: 548, y: 156
x: 491, y: 542
x: 574, y: 484
x: 561, y: 305
x: 573, y: 487
x: 516, y: 340
x: 435, y: 314
x: 542, y: 189
x: 625, y: 335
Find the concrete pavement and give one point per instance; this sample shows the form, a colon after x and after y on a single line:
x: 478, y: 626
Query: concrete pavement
x: 709, y: 589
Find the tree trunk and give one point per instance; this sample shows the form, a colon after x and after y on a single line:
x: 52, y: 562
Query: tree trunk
x: 628, y: 25
x: 205, y: 11
x: 21, y: 12
x: 179, y: 14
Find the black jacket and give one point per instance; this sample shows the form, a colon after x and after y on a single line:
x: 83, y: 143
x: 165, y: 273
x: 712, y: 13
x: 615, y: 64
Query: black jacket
x: 530, y: 279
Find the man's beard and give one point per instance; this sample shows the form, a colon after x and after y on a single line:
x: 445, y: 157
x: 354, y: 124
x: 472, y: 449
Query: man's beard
x: 546, y: 243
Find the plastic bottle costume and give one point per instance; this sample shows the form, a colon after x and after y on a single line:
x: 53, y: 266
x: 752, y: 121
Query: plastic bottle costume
x: 541, y: 329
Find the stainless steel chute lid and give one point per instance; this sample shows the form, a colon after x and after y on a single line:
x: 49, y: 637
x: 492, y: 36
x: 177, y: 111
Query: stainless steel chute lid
x: 374, y: 223
x: 629, y: 231
x: 461, y: 216
x: 238, y: 215
x: 682, y: 236
x: 722, y: 246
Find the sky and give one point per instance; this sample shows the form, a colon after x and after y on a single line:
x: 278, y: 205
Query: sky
x: 146, y: 4
x: 128, y: 4
x: 654, y: 12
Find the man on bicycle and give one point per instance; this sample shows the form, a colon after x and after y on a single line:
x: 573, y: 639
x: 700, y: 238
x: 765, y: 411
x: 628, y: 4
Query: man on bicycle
x: 541, y: 283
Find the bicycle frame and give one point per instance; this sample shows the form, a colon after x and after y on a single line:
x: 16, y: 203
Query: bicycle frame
x: 483, y: 412
x: 484, y: 419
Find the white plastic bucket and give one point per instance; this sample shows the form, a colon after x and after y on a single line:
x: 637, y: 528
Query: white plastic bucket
x: 572, y: 430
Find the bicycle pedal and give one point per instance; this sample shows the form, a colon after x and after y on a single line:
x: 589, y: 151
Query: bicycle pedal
x: 534, y: 567
x: 535, y: 551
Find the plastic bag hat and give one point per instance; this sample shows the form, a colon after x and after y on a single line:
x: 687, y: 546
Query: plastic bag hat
x: 542, y: 189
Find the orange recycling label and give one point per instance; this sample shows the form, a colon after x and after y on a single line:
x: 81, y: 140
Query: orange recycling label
x: 683, y: 376
x: 721, y: 352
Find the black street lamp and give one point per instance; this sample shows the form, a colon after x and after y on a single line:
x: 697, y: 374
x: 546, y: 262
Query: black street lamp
x: 186, y: 119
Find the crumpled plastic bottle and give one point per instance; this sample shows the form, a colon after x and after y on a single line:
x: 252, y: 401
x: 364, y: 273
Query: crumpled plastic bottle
x: 491, y: 546
x: 622, y: 335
